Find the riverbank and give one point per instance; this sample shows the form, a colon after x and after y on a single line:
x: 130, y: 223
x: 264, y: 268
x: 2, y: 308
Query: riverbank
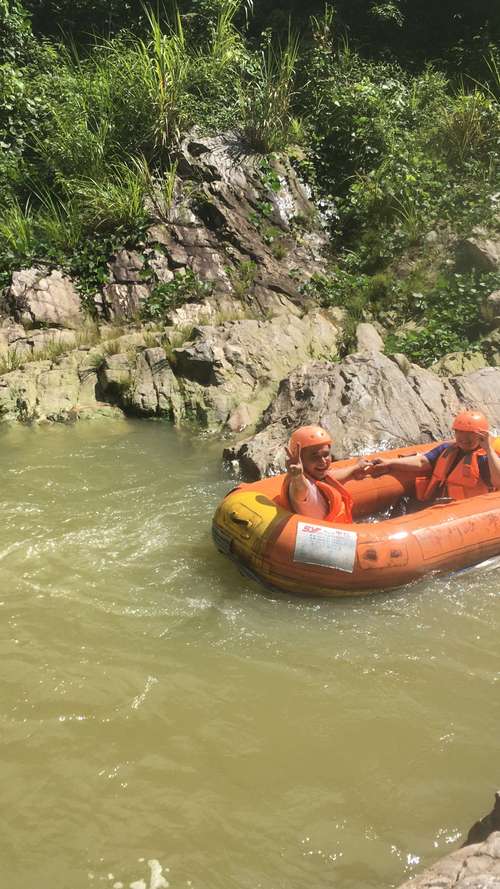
x: 474, y: 866
x: 206, y: 325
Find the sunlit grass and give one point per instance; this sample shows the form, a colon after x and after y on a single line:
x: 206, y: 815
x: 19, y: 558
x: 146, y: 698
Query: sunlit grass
x: 16, y: 227
x: 266, y: 100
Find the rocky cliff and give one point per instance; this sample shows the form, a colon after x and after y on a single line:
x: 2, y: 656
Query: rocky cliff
x: 238, y: 347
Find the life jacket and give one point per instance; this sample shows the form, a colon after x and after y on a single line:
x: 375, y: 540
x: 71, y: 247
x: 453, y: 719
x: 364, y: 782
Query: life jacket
x: 337, y: 497
x: 460, y: 481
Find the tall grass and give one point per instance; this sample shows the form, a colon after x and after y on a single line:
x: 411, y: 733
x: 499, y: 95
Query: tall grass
x: 16, y: 228
x: 166, y: 64
x: 159, y: 186
x: 468, y: 127
x: 58, y: 222
x: 226, y: 45
x: 114, y: 200
x: 266, y: 100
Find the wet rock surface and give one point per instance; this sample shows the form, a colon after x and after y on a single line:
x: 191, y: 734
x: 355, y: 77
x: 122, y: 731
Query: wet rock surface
x: 472, y: 867
x: 475, y: 866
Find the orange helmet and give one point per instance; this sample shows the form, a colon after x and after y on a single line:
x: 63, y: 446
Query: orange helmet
x: 471, y: 421
x: 308, y: 436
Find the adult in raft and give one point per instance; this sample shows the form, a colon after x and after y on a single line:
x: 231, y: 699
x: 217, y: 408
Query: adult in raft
x: 458, y: 469
x: 310, y: 487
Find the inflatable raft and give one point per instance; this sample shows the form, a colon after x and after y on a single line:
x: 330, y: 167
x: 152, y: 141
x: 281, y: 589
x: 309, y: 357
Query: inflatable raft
x: 296, y: 554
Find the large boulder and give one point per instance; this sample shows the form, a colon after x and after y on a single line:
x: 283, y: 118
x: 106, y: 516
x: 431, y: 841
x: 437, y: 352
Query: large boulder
x: 368, y: 403
x: 490, y: 308
x: 127, y: 267
x: 39, y: 297
x: 10, y: 334
x: 368, y: 338
x: 225, y: 376
x: 47, y: 390
x: 229, y: 374
x: 479, y: 252
x: 154, y: 390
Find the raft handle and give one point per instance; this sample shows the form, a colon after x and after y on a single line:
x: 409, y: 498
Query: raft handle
x: 239, y: 520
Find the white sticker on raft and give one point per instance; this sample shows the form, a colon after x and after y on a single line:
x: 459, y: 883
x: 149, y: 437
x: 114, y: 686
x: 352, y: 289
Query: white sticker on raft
x: 329, y: 547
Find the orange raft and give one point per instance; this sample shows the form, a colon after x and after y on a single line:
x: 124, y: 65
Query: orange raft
x: 306, y: 556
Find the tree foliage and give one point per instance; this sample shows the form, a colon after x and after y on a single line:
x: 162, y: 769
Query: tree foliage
x: 373, y: 105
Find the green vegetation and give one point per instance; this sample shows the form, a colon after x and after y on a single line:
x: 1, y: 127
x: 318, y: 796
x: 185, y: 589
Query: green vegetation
x: 390, y: 111
x: 186, y: 287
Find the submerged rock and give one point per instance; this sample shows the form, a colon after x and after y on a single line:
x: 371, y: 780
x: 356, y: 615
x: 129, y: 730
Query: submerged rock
x: 481, y: 830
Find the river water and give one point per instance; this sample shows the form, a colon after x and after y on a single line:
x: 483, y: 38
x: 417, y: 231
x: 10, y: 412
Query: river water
x: 165, y: 720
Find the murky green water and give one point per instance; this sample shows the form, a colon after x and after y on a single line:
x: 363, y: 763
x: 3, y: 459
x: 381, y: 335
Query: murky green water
x: 156, y: 706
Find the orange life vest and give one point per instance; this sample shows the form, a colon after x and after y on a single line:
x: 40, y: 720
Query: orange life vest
x: 337, y: 497
x: 460, y: 481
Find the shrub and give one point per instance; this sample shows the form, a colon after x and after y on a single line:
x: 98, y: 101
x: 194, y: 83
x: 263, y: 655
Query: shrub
x: 450, y: 318
x: 166, y: 297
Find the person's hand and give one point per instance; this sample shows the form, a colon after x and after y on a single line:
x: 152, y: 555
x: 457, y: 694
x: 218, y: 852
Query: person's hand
x: 378, y: 466
x: 361, y: 469
x: 293, y: 462
x: 485, y: 440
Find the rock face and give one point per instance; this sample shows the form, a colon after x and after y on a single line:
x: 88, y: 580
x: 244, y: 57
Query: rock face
x: 155, y: 390
x: 48, y: 390
x: 122, y: 301
x: 472, y: 867
x: 459, y: 363
x: 245, y: 227
x: 491, y: 308
x: 10, y: 334
x: 239, y: 223
x: 226, y: 376
x: 368, y: 339
x: 37, y: 296
x: 481, y: 830
x: 80, y: 383
x: 367, y: 403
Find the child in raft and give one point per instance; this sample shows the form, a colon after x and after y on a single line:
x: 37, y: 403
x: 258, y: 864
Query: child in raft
x: 458, y: 469
x: 310, y: 487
